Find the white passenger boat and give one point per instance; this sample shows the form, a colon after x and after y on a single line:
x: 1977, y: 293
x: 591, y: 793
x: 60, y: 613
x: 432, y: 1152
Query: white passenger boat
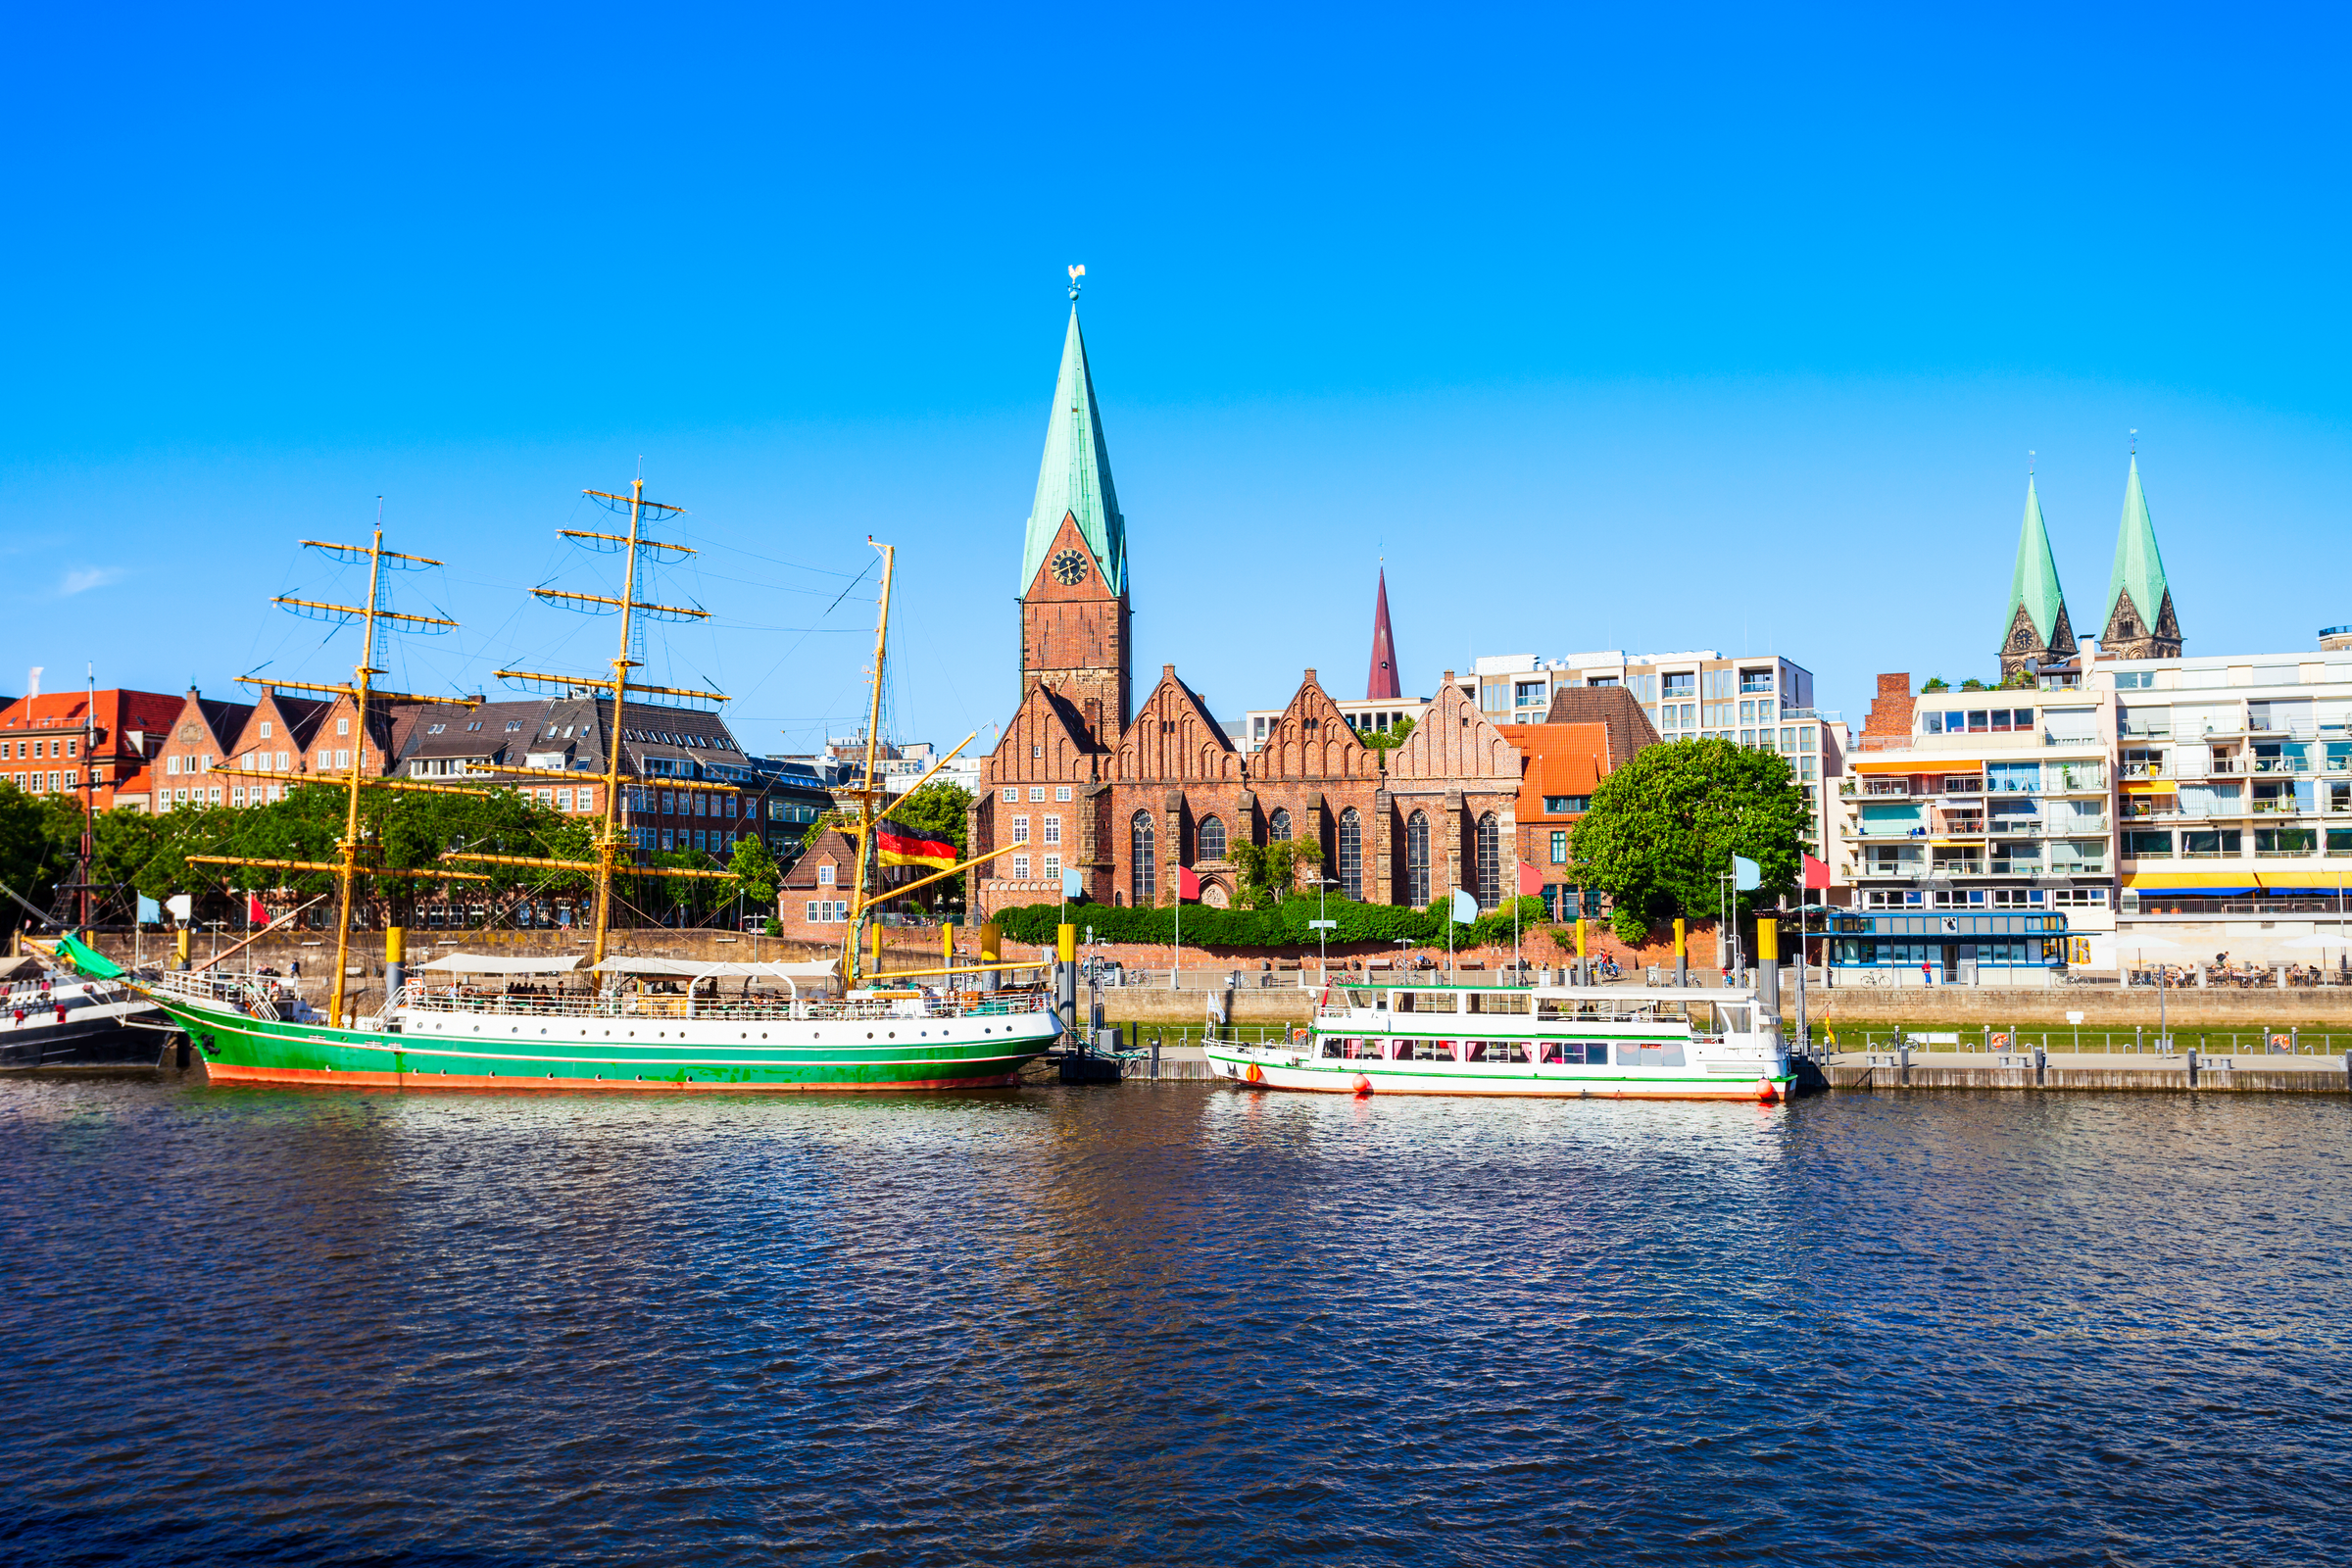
x: 1607, y: 1041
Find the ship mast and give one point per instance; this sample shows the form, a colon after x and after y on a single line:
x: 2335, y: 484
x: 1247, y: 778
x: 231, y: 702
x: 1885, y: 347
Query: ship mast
x: 633, y: 545
x: 867, y: 815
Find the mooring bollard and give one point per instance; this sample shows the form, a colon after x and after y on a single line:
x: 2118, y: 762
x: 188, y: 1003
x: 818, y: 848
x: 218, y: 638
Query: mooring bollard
x: 1155, y: 1055
x: 1902, y: 1057
x: 2192, y: 1066
x: 2041, y: 1060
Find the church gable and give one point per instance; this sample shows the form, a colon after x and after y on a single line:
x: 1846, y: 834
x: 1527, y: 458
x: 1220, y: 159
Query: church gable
x: 1070, y: 570
x: 1045, y: 741
x: 1175, y: 737
x: 1312, y: 740
x: 1454, y: 741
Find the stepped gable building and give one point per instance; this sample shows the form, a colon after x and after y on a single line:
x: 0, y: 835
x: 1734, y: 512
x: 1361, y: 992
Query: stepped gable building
x: 201, y: 738
x: 1073, y: 784
x: 275, y: 737
x: 2140, y: 624
x: 2035, y: 633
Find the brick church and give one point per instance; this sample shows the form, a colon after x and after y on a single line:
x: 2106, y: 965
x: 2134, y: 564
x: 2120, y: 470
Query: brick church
x: 1126, y: 795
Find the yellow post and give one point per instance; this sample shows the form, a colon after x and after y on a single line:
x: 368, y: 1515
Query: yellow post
x: 1580, y: 939
x: 396, y: 944
x: 991, y: 943
x: 876, y: 928
x: 179, y: 947
x: 1768, y: 941
x: 946, y: 943
x: 1679, y: 946
x: 1065, y: 943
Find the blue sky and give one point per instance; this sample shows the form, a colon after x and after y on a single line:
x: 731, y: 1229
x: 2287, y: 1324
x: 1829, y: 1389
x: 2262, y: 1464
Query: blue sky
x: 1689, y: 328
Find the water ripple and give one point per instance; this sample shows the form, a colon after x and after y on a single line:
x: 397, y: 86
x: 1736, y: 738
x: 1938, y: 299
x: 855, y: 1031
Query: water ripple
x: 1171, y: 1325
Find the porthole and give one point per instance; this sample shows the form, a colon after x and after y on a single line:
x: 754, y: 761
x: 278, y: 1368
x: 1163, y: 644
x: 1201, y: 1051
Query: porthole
x: 869, y: 1034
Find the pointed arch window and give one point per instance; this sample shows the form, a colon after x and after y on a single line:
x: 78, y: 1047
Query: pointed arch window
x: 1278, y: 827
x: 1142, y: 874
x: 1416, y: 860
x: 1211, y: 837
x: 1489, y: 861
x: 1352, y: 855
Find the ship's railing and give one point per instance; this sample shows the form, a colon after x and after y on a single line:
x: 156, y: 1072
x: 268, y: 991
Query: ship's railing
x: 255, y: 995
x: 418, y: 995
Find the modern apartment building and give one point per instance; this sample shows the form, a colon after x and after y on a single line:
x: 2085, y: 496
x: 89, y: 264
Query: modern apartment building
x: 2233, y: 794
x: 1970, y: 804
x: 1765, y: 701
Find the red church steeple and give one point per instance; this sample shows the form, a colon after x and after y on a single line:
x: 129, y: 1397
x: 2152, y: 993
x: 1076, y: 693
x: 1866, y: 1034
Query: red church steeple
x: 1381, y: 684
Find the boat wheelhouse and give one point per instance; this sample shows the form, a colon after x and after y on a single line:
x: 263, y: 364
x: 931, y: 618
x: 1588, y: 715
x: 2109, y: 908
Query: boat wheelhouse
x: 1610, y: 1042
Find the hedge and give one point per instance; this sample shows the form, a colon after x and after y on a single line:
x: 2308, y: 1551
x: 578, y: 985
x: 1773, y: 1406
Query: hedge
x: 1283, y: 927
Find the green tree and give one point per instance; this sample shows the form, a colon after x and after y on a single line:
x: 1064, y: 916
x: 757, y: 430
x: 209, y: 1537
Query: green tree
x: 1663, y: 828
x: 25, y: 854
x: 756, y: 873
x: 1270, y: 874
x: 1386, y: 740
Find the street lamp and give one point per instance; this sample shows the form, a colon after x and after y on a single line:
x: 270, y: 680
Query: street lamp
x: 1323, y: 929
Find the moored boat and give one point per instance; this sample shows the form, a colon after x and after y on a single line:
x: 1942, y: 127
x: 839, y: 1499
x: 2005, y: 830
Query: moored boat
x: 628, y: 1030
x: 51, y: 1017
x: 1605, y: 1041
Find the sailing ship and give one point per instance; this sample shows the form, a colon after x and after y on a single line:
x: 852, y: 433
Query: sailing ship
x: 480, y: 1021
x: 1556, y: 1042
x: 51, y: 1017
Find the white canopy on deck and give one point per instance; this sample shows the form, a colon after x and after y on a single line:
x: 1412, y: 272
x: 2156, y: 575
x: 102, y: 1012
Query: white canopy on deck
x: 500, y: 963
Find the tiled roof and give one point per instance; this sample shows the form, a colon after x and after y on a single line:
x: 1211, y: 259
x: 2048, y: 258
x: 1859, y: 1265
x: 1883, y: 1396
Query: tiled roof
x: 1614, y: 707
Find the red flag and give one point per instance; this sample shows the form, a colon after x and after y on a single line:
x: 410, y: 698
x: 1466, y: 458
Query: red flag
x: 1188, y: 885
x: 1817, y: 874
x: 254, y: 911
x: 1531, y: 880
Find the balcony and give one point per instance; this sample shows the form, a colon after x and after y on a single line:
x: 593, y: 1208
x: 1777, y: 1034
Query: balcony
x: 2061, y: 781
x: 1886, y: 789
x: 2282, y: 809
x: 2139, y: 770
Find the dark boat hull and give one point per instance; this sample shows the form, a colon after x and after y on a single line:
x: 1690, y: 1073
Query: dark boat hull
x: 110, y: 1042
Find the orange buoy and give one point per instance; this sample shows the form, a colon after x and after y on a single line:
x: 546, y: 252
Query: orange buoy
x: 1251, y: 1074
x: 1766, y: 1095
x: 1363, y: 1087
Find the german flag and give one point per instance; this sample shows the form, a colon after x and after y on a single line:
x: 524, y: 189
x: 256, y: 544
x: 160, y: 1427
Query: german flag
x: 901, y: 845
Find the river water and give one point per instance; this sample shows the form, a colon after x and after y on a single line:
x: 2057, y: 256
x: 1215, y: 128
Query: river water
x: 1171, y: 1324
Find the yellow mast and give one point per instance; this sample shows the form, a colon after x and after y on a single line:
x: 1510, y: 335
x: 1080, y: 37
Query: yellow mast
x: 607, y: 841
x: 866, y: 813
x: 348, y: 851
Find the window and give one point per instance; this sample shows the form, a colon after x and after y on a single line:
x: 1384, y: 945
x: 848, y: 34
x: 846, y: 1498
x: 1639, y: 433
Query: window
x: 2209, y: 846
x: 1716, y: 715
x: 1416, y: 860
x: 343, y: 726
x: 1755, y: 680
x: 1053, y: 828
x: 1489, y: 861
x: 342, y: 758
x: 2134, y: 680
x: 2144, y: 846
x: 1012, y: 796
x: 1352, y: 855
x: 1020, y: 830
x: 562, y: 799
x: 1278, y: 827
x: 2286, y: 841
x: 1682, y: 683
x: 1211, y: 838
x: 1143, y: 878
x: 669, y: 801
x: 1566, y: 804
x: 1037, y: 792
x: 1717, y: 684
x: 265, y: 729
x: 1054, y: 866
x: 666, y: 837
x: 1532, y: 692
x: 1062, y: 792
x: 1020, y: 868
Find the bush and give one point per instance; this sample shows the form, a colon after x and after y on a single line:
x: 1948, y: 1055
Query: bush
x: 1631, y: 928
x: 1285, y: 925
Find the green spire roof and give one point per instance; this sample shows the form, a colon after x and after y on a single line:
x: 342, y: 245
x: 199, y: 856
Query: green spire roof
x: 1074, y: 480
x: 2036, y: 582
x: 2138, y: 565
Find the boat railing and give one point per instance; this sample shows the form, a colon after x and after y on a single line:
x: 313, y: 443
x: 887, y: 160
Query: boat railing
x: 255, y: 995
x: 422, y: 998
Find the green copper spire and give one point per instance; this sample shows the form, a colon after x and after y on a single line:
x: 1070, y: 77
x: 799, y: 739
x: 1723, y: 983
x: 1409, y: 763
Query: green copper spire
x: 1074, y: 480
x: 2138, y: 565
x: 2034, y: 586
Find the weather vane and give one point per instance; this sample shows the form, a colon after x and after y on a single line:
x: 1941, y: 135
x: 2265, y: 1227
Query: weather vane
x: 1077, y: 271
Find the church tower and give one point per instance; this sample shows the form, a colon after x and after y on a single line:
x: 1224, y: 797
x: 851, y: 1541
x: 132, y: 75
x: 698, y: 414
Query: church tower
x: 2140, y: 624
x: 2036, y: 631
x: 1074, y: 612
x: 1381, y: 683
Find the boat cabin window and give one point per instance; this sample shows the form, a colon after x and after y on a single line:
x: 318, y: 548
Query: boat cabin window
x: 1366, y: 996
x: 1490, y: 1001
x: 1364, y: 1047
x: 1424, y: 1050
x: 1426, y: 1000
x: 1717, y: 1019
x: 1333, y: 1046
x: 1576, y: 1053
x: 1498, y: 1050
x: 1652, y: 1056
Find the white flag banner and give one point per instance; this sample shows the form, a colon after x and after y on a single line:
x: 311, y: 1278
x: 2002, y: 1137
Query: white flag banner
x: 183, y: 907
x: 1466, y: 907
x: 1745, y: 875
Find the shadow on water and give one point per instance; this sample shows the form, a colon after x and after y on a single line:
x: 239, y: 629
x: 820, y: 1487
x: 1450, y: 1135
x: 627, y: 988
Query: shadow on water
x: 1167, y: 1324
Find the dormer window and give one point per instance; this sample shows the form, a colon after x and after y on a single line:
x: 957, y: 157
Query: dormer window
x: 476, y: 725
x: 435, y: 729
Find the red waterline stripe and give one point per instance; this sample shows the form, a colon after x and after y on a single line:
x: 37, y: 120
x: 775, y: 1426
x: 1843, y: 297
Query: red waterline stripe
x: 228, y: 1073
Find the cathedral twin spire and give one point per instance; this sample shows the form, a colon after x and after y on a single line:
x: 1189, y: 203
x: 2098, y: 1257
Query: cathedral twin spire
x: 2140, y: 624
